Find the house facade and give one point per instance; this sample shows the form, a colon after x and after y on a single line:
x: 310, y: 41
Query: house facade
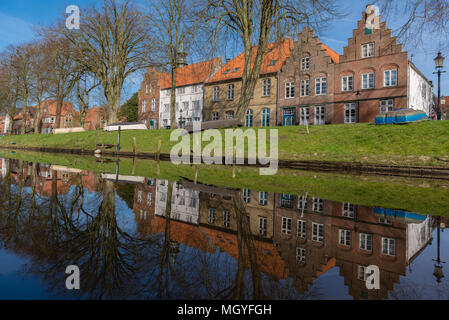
x: 372, y: 76
x: 94, y: 119
x: 190, y: 90
x: 222, y: 91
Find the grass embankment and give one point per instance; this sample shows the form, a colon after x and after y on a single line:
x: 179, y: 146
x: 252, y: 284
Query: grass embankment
x: 424, y: 143
x: 416, y: 195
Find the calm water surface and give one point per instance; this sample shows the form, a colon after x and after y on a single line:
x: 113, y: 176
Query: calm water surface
x: 130, y: 242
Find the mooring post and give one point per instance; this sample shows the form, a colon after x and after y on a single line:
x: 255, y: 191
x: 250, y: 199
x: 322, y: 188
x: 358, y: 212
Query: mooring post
x: 134, y: 146
x: 118, y: 143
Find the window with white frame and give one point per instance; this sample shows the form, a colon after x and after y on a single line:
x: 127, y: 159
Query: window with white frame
x: 348, y: 210
x: 215, y: 116
x: 149, y: 199
x: 366, y: 241
x: 229, y: 114
x: 166, y: 107
x: 146, y: 89
x: 305, y: 87
x: 345, y: 237
x: 317, y: 232
x: 216, y: 93
x: 368, y: 50
x: 350, y: 113
x: 321, y: 86
x: 385, y: 221
x: 320, y: 115
x: 153, y: 104
x: 361, y: 274
x: 247, y: 195
x: 286, y: 227
x: 194, y: 89
x: 144, y: 106
x: 211, y: 218
x: 305, y: 64
x: 231, y: 92
x: 226, y: 218
x: 139, y: 196
x: 390, y: 78
x: 262, y: 226
x: 196, y: 105
x: 304, y: 115
x: 300, y: 254
x: 318, y: 205
x: 263, y: 198
x: 181, y: 90
x: 388, y: 246
x: 266, y: 87
x: 368, y: 80
x: 301, y: 233
x: 289, y: 90
x: 347, y: 83
x: 249, y: 118
x: 302, y: 203
x: 386, y: 105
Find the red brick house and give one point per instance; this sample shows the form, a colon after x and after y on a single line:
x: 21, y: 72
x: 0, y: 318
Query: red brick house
x: 149, y: 97
x: 95, y: 119
x: 48, y: 116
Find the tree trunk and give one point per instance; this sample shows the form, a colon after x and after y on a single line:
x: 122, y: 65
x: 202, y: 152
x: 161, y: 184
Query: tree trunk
x: 113, y: 98
x: 25, y: 112
x: 37, y: 119
x: 173, y: 123
x: 60, y: 101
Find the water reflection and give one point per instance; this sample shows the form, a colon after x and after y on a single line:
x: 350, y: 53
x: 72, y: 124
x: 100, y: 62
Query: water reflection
x: 192, y: 241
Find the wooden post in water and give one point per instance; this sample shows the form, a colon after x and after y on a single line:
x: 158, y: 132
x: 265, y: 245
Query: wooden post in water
x: 118, y: 142
x: 234, y: 161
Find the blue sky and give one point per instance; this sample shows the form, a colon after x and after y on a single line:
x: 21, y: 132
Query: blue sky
x: 18, y: 18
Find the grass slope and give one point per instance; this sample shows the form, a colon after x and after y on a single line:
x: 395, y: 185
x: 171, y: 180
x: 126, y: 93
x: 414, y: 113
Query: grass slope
x: 424, y: 143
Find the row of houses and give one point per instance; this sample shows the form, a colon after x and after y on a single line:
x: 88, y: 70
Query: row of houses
x: 70, y: 118
x: 301, y: 82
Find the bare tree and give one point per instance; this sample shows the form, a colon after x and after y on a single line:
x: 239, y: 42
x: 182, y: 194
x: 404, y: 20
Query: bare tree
x: 9, y: 88
x: 112, y: 44
x: 40, y: 77
x: 84, y: 86
x: 172, y: 22
x: 258, y: 22
x: 423, y: 19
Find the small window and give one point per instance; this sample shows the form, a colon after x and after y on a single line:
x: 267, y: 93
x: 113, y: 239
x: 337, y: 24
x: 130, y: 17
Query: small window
x: 320, y: 115
x: 302, y: 229
x: 361, y: 275
x: 286, y: 227
x: 318, y: 205
x: 226, y: 218
x: 265, y: 117
x: 249, y: 118
x: 263, y: 198
x: 350, y: 113
x: 321, y: 86
x: 305, y: 88
x: 216, y: 93
x: 273, y: 62
x: 388, y: 246
x: 231, y: 92
x: 347, y: 83
x: 305, y: 63
x: 304, y: 116
x: 289, y: 90
x: 345, y: 237
x: 391, y: 78
x: 215, y: 116
x: 211, y: 218
x: 301, y: 255
x: 229, y: 114
x: 235, y: 70
x: 247, y: 195
x: 317, y: 232
x: 366, y: 242
x: 266, y: 87
x: 262, y: 226
x: 153, y: 105
x: 368, y: 50
x: 368, y: 80
x: 386, y: 106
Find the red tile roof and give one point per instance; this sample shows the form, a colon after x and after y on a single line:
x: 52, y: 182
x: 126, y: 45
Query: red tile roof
x: 273, y: 61
x: 191, y: 74
x: 330, y: 53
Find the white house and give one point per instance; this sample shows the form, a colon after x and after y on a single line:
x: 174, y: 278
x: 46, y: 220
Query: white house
x: 420, y: 90
x: 190, y: 81
x: 185, y: 203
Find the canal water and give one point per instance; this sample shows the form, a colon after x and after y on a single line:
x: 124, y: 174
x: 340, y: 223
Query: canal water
x: 138, y: 237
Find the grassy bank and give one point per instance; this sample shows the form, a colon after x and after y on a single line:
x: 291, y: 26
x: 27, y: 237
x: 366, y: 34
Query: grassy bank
x: 424, y: 143
x: 415, y: 195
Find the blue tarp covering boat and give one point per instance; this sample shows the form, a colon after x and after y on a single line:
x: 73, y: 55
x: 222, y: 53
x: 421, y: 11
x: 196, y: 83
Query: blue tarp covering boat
x: 401, y: 116
x: 399, y: 214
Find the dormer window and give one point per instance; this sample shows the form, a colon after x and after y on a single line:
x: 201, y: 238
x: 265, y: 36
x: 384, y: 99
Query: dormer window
x: 235, y: 70
x: 368, y: 50
x: 273, y: 62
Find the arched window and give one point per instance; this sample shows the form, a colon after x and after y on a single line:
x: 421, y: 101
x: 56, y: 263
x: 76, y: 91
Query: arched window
x: 249, y: 118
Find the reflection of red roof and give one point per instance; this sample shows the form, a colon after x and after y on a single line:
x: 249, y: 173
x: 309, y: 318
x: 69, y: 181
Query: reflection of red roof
x: 191, y: 74
x: 184, y: 233
x: 330, y: 264
x: 268, y: 257
x: 273, y: 61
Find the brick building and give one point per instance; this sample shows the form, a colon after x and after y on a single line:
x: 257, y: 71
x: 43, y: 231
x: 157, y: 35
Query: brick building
x: 149, y: 97
x: 95, y: 118
x: 222, y: 91
x: 372, y: 76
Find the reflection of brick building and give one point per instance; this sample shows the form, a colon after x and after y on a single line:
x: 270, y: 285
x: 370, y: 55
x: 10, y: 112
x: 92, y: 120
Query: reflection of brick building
x: 144, y: 206
x: 314, y: 235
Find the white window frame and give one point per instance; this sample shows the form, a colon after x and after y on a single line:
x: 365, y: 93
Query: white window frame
x: 347, y: 83
x: 320, y: 115
x: 386, y: 105
x: 231, y: 92
x: 305, y: 88
x: 153, y: 104
x: 389, y: 80
x: 344, y: 237
x: 366, y: 242
x: 366, y: 85
x: 226, y: 218
x: 305, y: 63
x: 263, y: 198
x: 247, y: 195
x: 286, y: 226
x: 348, y: 210
x: 144, y: 106
x: 387, y: 250
x: 317, y: 236
x: 211, y: 216
x: 361, y: 273
x: 289, y: 90
x: 321, y: 86
x: 265, y: 121
x: 216, y: 93
x: 301, y: 229
x: 301, y: 254
x: 215, y: 116
x: 263, y: 223
x: 318, y: 205
x: 349, y: 116
x: 368, y: 50
x: 304, y: 115
x: 266, y: 87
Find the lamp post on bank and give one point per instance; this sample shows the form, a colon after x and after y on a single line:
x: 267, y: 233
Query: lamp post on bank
x: 439, y: 60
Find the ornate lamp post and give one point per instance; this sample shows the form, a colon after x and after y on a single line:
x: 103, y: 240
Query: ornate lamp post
x: 439, y: 60
x: 438, y: 271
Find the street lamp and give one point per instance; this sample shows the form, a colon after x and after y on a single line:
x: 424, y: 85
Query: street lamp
x: 439, y: 60
x: 438, y: 271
